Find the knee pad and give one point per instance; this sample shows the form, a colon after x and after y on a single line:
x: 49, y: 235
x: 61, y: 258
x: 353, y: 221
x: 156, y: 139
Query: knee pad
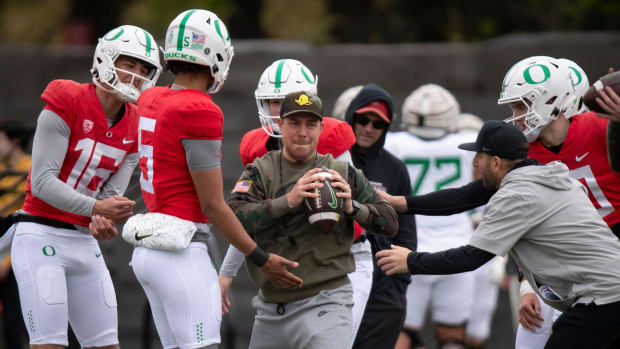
x: 52, y: 285
x: 452, y: 344
x: 414, y: 337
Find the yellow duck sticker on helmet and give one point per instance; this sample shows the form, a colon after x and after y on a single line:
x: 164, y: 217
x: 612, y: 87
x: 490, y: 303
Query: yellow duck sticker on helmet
x: 303, y: 100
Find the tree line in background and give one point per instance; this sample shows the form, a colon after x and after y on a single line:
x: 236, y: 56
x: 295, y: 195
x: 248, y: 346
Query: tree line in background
x: 315, y: 21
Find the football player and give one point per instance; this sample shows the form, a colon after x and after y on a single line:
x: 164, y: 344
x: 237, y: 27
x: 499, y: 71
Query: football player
x: 428, y: 147
x: 179, y: 136
x: 84, y: 152
x: 545, y: 96
x: 280, y: 78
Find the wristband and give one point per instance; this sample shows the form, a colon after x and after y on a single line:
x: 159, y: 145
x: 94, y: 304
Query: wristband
x: 525, y: 288
x: 258, y: 257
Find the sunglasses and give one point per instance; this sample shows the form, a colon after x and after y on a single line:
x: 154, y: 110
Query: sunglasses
x: 378, y: 124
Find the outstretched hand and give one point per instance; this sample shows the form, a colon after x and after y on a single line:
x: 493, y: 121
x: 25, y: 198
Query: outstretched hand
x: 276, y: 270
x: 393, y: 261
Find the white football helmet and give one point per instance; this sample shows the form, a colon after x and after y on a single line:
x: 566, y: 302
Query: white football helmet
x: 469, y: 122
x: 279, y: 79
x: 544, y: 86
x: 343, y: 101
x: 581, y: 83
x: 200, y: 37
x: 126, y: 40
x: 430, y: 112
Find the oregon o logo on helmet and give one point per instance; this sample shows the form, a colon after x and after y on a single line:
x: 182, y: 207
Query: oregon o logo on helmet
x: 308, y: 79
x: 49, y: 250
x: 578, y: 75
x: 528, y: 76
x: 184, y: 56
x: 114, y: 37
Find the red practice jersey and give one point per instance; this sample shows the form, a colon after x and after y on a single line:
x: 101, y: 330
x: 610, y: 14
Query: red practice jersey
x: 336, y: 138
x: 585, y: 153
x: 166, y: 117
x: 95, y: 150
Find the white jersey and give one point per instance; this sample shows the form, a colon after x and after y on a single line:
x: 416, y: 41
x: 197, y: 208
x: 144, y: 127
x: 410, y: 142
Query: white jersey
x: 434, y: 165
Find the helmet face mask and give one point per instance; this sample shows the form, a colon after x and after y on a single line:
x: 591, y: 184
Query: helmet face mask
x: 200, y: 37
x: 279, y: 79
x: 544, y: 86
x: 130, y: 42
x: 430, y: 112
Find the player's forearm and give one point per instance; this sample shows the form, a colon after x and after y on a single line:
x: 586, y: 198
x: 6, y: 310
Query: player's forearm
x: 449, y: 201
x: 224, y: 220
x: 613, y: 145
x: 118, y: 182
x: 48, y: 153
x: 455, y: 260
x: 232, y: 262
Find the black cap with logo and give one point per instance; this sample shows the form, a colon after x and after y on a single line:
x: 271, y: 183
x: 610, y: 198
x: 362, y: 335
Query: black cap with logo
x: 499, y: 139
x: 301, y: 102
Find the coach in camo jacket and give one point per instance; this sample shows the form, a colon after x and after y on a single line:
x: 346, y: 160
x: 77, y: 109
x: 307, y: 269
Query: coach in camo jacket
x: 268, y: 200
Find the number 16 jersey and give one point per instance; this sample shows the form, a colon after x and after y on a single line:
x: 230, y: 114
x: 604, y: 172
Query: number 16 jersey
x: 95, y: 150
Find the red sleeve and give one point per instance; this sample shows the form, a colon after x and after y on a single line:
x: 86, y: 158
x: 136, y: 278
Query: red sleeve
x: 253, y: 145
x: 60, y: 96
x: 336, y: 137
x: 201, y: 122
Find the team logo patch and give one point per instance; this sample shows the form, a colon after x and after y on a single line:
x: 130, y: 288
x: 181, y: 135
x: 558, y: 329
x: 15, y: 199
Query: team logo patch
x: 242, y: 186
x: 303, y: 100
x: 87, y: 126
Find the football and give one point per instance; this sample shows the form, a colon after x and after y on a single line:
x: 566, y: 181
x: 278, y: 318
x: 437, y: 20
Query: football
x: 589, y: 98
x: 324, y: 212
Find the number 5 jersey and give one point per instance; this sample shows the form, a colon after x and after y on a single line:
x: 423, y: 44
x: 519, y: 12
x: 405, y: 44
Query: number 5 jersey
x: 584, y: 151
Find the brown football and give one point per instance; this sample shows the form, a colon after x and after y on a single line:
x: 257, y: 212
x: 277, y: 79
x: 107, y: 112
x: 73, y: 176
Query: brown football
x: 324, y: 212
x: 589, y: 98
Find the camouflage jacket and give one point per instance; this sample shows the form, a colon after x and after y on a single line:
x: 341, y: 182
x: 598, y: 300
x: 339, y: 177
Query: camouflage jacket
x: 259, y: 202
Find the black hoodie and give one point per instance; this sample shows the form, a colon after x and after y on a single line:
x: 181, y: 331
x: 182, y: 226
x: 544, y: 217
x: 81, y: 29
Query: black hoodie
x: 385, y: 171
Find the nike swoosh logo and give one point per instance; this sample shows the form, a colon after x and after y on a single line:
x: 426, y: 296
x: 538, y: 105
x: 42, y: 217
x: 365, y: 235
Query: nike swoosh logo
x: 97, y: 254
x: 138, y: 237
x: 334, y: 203
x: 126, y: 141
x: 579, y: 158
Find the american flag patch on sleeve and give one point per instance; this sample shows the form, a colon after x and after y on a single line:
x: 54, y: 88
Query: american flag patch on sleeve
x: 242, y: 186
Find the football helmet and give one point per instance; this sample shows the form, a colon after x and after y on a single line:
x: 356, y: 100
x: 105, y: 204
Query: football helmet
x: 126, y: 40
x: 544, y: 86
x: 279, y: 79
x: 200, y: 37
x: 343, y: 101
x: 469, y: 122
x: 581, y: 83
x: 430, y: 112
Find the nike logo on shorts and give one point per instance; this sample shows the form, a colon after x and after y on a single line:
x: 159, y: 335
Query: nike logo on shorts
x: 127, y: 141
x: 579, y: 158
x: 138, y: 237
x: 97, y: 254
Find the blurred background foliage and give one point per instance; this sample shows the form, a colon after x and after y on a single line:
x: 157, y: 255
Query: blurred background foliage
x: 80, y: 22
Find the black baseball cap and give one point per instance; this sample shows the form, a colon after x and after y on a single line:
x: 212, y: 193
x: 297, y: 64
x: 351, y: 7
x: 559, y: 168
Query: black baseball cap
x: 301, y: 102
x: 499, y: 139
